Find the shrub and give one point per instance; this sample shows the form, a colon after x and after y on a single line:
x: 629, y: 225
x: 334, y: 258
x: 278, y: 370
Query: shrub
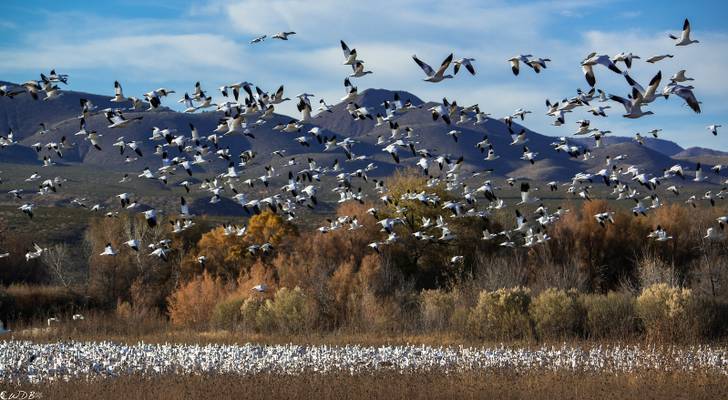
x: 556, y: 314
x: 249, y: 314
x: 191, y: 305
x: 502, y: 315
x: 28, y: 302
x: 666, y: 312
x: 437, y: 308
x: 290, y: 312
x: 711, y: 316
x: 226, y: 314
x: 610, y: 316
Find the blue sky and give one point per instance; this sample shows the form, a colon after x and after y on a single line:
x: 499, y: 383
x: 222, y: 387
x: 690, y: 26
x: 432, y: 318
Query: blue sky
x: 145, y: 46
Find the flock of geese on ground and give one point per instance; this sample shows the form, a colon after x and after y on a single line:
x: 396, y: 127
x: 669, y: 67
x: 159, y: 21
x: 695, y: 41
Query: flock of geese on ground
x: 243, y: 113
x: 28, y: 361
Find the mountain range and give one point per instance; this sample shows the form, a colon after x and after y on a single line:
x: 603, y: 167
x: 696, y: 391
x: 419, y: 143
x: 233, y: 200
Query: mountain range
x: 23, y: 115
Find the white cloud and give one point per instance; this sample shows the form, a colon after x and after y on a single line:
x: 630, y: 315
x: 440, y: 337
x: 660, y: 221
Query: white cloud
x: 209, y: 42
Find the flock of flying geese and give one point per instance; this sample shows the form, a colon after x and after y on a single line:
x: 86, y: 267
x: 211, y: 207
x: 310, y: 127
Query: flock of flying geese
x: 247, y: 107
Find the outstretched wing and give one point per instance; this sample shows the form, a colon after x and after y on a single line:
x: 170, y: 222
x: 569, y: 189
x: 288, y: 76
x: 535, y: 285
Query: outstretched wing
x: 428, y: 70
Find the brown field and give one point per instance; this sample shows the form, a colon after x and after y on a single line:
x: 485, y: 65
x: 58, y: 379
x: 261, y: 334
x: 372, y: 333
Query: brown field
x: 470, y: 385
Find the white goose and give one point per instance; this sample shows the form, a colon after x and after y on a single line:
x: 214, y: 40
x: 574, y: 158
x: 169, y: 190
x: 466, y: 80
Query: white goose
x: 593, y: 59
x: 684, y: 38
x: 432, y: 75
x: 464, y: 62
x: 714, y: 129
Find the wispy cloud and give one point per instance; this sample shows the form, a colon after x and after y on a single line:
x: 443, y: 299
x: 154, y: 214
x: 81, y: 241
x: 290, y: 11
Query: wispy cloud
x: 208, y: 41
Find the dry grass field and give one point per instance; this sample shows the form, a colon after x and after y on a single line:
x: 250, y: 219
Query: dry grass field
x: 485, y: 385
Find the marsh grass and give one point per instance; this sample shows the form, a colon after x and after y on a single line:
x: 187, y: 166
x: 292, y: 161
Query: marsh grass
x: 432, y: 385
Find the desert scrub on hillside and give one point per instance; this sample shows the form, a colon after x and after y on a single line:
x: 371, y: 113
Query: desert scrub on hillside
x: 501, y: 315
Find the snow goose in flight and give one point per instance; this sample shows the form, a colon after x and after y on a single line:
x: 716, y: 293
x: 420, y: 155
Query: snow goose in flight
x: 118, y: 93
x: 604, y: 217
x: 55, y: 77
x: 7, y: 91
x: 35, y: 253
x: 464, y: 62
x: 679, y: 77
x: 722, y: 221
x: 646, y: 95
x: 714, y: 129
x: 538, y: 63
x: 654, y: 132
x: 358, y: 68
x: 187, y: 100
x: 626, y: 58
x: 432, y: 75
x: 684, y: 38
x: 117, y: 119
x: 526, y: 197
x: 599, y: 110
x: 277, y: 97
x: 282, y: 35
x: 686, y: 93
x: 235, y: 87
x: 108, y: 251
x: 518, y: 139
x: 632, y: 106
x: 657, y: 58
x: 659, y: 234
x: 713, y: 234
x: 515, y: 62
x: 151, y: 217
x: 529, y: 155
x: 593, y: 59
x: 155, y: 97
x: 258, y: 39
x: 351, y: 92
x: 349, y: 54
x: 27, y: 209
x: 261, y: 288
x: 491, y: 154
